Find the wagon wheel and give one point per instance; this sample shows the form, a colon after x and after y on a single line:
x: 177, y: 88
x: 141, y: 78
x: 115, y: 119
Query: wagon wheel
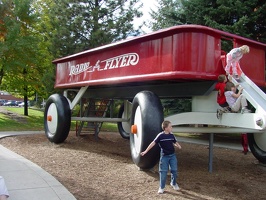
x: 257, y: 145
x: 57, y: 118
x: 146, y: 117
x: 123, y: 127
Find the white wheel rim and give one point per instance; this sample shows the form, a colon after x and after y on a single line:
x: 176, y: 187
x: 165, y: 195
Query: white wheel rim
x: 126, y: 125
x: 260, y: 139
x: 52, y: 125
x: 138, y: 135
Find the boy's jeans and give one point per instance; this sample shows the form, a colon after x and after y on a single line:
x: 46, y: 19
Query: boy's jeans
x: 165, y: 161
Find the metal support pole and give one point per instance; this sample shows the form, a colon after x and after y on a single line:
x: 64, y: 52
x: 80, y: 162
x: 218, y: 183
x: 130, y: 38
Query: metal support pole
x: 111, y: 108
x: 211, y: 151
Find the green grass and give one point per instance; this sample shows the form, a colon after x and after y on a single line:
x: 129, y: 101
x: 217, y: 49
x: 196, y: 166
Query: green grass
x: 34, y: 121
x: 110, y: 127
x: 19, y: 122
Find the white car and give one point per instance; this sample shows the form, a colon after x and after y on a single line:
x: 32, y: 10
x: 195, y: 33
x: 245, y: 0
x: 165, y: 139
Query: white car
x: 21, y: 104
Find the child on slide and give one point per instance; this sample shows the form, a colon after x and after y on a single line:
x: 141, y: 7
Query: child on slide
x: 236, y: 101
x: 232, y: 59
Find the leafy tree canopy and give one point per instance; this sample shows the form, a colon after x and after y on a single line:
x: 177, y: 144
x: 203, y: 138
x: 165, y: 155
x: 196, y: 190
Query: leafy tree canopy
x: 242, y: 17
x: 20, y: 68
x: 18, y: 46
x: 81, y: 25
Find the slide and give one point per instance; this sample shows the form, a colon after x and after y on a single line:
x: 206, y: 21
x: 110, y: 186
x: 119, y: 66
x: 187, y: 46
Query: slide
x: 252, y: 93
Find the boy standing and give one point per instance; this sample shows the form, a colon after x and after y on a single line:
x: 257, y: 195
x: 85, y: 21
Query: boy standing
x: 166, y: 141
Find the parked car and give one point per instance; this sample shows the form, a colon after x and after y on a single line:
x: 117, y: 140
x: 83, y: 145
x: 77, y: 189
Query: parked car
x: 21, y: 104
x: 2, y: 102
x: 11, y: 103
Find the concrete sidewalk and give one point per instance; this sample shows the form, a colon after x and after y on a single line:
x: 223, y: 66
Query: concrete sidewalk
x: 26, y: 180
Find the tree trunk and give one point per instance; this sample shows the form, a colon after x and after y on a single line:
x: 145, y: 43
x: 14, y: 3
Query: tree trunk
x: 26, y: 102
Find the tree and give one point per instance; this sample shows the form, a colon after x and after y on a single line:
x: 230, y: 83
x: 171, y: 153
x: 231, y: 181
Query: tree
x: 44, y: 32
x: 82, y: 25
x: 167, y: 14
x: 242, y: 17
x: 20, y: 70
x: 174, y: 106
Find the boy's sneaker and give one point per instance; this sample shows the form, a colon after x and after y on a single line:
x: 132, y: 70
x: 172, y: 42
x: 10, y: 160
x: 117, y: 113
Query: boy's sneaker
x: 176, y: 187
x: 160, y: 191
x: 226, y: 110
x: 245, y: 110
x: 219, y: 113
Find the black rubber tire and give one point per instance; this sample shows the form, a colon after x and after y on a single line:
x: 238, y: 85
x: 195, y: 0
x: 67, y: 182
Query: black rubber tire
x: 258, y: 153
x: 120, y: 127
x: 61, y: 114
x: 151, y: 112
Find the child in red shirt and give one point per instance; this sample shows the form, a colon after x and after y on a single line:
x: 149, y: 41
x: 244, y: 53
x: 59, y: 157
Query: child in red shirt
x: 220, y: 86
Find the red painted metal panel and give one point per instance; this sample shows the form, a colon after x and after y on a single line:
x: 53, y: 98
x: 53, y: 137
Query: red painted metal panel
x: 181, y: 53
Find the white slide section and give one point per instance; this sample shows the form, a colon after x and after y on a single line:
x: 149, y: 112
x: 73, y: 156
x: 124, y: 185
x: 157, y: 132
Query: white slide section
x: 252, y: 93
x: 255, y: 96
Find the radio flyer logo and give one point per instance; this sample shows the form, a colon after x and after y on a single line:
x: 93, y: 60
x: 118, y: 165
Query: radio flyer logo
x: 124, y: 60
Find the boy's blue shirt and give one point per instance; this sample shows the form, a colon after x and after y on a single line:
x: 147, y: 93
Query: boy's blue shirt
x: 165, y: 142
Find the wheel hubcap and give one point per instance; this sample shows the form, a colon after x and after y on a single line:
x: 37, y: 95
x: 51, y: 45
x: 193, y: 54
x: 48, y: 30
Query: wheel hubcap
x: 138, y: 136
x: 52, y: 118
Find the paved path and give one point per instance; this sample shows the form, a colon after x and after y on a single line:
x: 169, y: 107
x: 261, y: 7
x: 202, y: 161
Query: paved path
x: 26, y: 180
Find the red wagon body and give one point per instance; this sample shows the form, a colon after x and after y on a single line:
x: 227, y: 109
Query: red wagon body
x: 181, y: 53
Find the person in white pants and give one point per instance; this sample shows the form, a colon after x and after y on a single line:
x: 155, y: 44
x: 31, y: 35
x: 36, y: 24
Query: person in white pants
x: 3, y: 189
x: 235, y: 100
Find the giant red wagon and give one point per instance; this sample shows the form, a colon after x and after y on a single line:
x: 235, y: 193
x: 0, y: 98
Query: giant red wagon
x: 178, y: 62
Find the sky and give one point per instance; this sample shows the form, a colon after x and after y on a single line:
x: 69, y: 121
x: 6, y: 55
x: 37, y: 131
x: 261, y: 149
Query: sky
x: 147, y: 5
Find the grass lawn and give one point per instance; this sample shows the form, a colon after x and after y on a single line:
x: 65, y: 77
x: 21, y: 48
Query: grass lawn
x: 16, y: 121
